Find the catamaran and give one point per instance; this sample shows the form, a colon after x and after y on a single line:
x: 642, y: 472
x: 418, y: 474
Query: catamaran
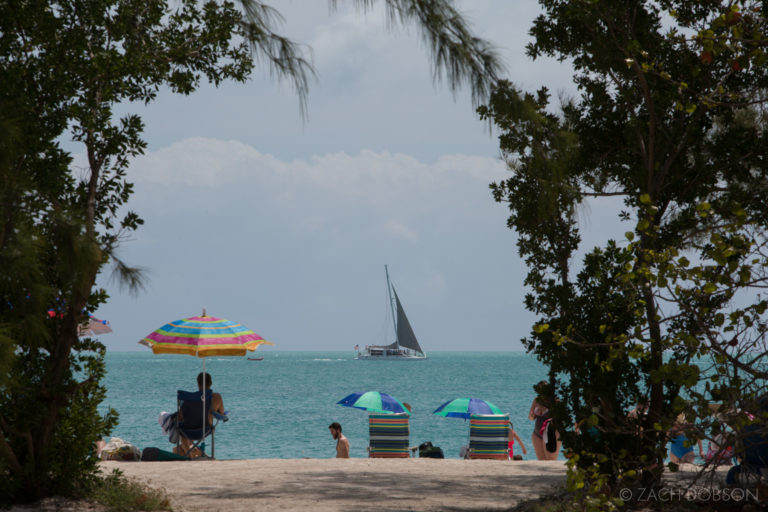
x: 406, y: 346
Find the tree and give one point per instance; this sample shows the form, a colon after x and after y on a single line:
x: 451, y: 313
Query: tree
x: 672, y: 313
x: 64, y: 66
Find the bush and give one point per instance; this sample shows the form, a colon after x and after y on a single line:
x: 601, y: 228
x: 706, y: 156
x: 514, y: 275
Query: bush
x: 120, y: 494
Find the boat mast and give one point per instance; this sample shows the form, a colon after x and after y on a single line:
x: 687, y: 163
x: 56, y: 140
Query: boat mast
x: 391, y: 306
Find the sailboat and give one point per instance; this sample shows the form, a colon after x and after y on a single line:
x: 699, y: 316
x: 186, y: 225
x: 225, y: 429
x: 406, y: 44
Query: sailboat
x: 406, y: 346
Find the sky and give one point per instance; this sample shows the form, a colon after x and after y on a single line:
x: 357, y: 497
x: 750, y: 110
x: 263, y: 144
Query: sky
x: 285, y: 224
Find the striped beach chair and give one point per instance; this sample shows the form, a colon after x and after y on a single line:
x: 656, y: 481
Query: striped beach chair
x: 489, y: 436
x: 389, y: 435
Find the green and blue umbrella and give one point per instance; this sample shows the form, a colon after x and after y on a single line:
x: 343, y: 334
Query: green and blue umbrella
x: 465, y: 407
x: 373, y: 401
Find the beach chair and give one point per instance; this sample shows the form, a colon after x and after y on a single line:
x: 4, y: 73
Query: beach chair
x: 389, y: 436
x: 753, y: 452
x: 489, y: 436
x: 189, y: 405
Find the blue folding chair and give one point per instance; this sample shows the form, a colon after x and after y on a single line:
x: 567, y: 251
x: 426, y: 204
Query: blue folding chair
x: 189, y: 407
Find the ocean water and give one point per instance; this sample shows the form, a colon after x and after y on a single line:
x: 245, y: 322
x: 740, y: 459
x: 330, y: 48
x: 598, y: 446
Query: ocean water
x: 281, y: 407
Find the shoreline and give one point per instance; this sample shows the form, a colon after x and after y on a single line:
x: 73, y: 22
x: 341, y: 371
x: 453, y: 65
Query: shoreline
x: 346, y: 484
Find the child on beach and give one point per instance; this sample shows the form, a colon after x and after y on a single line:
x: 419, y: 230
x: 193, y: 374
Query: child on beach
x: 512, y: 438
x: 719, y: 453
x: 720, y: 449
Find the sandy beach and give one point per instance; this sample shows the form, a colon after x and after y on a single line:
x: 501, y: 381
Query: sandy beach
x: 347, y: 484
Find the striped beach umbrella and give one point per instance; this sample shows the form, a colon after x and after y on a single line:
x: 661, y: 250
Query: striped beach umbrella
x: 203, y: 336
x: 465, y: 407
x: 373, y: 401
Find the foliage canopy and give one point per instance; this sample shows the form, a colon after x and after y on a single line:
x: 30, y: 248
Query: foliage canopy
x: 670, y: 119
x: 64, y: 67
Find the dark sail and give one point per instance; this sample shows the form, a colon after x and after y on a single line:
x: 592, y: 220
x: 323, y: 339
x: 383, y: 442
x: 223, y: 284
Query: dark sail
x: 405, y: 336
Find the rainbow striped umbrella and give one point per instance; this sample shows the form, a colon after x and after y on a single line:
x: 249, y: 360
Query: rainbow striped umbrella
x: 203, y: 336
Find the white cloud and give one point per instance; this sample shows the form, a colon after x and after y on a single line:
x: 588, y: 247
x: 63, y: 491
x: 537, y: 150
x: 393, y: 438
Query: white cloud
x: 285, y: 225
x: 210, y: 163
x: 292, y: 245
x: 399, y: 230
x: 198, y: 162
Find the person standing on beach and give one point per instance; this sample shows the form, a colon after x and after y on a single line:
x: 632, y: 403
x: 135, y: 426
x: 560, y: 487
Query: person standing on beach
x: 342, y: 443
x: 539, y: 414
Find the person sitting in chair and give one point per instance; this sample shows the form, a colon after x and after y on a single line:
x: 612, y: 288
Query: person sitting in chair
x: 216, y: 405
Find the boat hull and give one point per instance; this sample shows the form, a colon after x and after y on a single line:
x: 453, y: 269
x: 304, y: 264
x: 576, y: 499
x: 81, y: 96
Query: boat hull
x: 362, y: 356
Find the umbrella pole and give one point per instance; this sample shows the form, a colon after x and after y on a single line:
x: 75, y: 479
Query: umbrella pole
x: 202, y: 440
x: 202, y: 436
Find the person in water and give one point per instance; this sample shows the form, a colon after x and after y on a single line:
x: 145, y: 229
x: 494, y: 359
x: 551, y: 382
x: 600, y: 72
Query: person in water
x: 342, y: 443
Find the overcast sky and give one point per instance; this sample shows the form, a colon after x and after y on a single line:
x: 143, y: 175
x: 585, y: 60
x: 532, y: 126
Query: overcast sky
x: 285, y: 225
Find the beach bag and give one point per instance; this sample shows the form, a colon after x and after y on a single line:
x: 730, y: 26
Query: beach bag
x: 550, y: 436
x: 428, y: 451
x: 434, y: 452
x: 117, y: 449
x: 152, y: 454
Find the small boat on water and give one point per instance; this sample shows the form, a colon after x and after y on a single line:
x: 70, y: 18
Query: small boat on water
x: 405, y: 347
x: 260, y: 358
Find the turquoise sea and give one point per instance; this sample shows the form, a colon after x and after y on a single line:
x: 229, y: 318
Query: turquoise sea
x: 281, y: 407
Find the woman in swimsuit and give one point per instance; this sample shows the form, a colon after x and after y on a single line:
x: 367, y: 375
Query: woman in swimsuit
x: 680, y: 448
x: 539, y: 414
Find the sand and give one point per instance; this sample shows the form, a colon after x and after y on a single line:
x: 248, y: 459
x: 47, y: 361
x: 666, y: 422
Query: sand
x: 347, y: 484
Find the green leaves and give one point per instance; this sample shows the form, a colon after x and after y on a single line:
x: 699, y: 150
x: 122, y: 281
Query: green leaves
x: 64, y: 66
x: 664, y: 120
